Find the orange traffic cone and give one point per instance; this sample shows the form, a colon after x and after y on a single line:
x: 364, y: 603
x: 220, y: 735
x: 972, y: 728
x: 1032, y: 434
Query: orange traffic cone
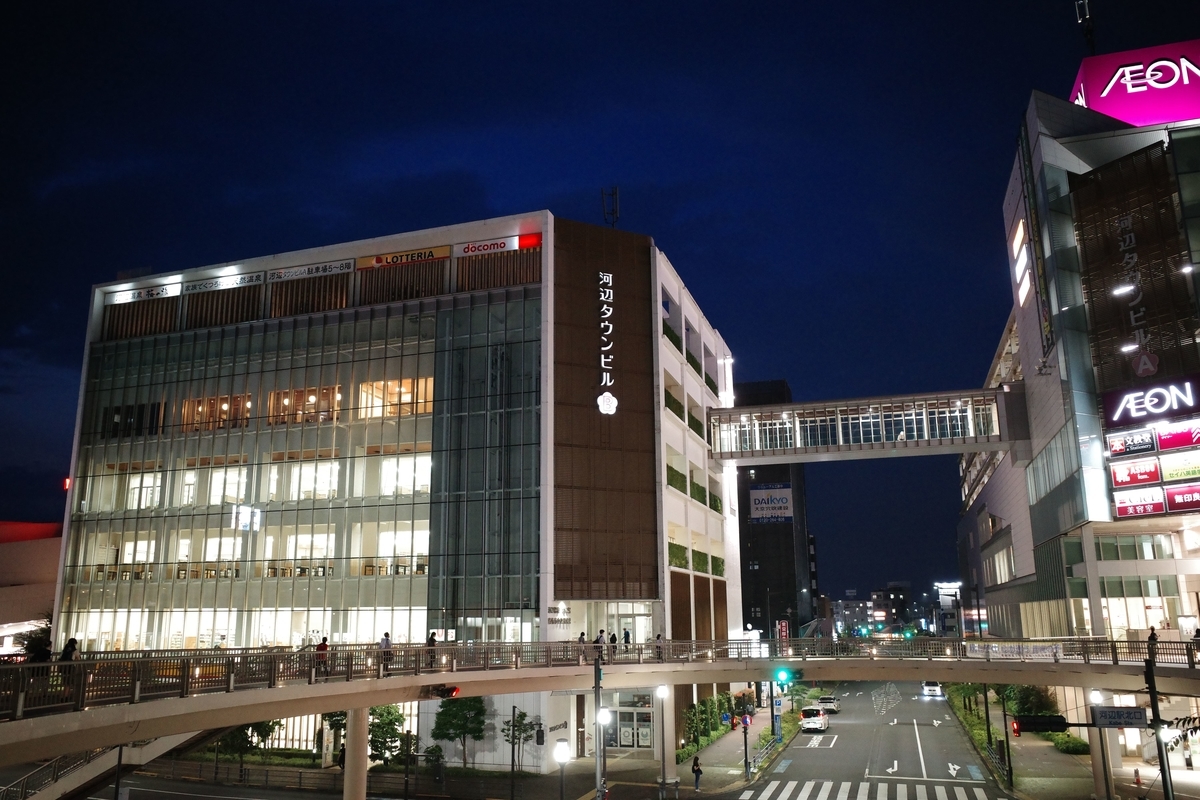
x: 1137, y: 777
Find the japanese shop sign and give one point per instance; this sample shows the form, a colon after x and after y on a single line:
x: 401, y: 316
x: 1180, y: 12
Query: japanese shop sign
x: 1118, y: 717
x: 311, y: 271
x: 1183, y: 497
x: 1180, y: 466
x: 1130, y: 443
x: 227, y: 282
x: 406, y: 257
x: 498, y: 245
x: 1178, y: 436
x: 148, y: 293
x: 1140, y: 502
x: 1134, y: 472
x: 606, y: 402
x: 1147, y: 403
x: 1142, y: 87
x: 770, y: 502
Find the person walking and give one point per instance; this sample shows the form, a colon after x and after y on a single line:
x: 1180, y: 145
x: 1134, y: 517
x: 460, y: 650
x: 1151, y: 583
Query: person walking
x: 431, y: 644
x: 323, y: 656
x: 1152, y: 644
x: 625, y: 635
x: 658, y: 647
x: 599, y: 642
x: 612, y: 647
x: 70, y: 651
x: 385, y: 651
x: 696, y: 771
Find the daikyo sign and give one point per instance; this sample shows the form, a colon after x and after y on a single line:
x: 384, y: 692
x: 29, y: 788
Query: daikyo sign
x: 1143, y: 87
x: 1147, y: 403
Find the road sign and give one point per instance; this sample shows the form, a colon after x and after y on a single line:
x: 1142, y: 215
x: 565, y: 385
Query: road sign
x: 725, y: 717
x: 779, y: 702
x: 1119, y: 717
x: 746, y: 720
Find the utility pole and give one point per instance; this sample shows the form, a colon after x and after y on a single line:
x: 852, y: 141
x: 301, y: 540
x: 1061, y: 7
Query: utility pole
x: 746, y: 742
x: 987, y: 716
x: 512, y: 759
x: 1083, y: 16
x: 610, y: 202
x: 1158, y: 726
x: 598, y: 675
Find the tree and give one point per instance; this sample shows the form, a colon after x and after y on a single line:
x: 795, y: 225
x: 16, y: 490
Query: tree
x: 459, y: 719
x: 384, y: 732
x: 1029, y: 700
x: 247, y: 739
x: 36, y: 642
x: 335, y: 720
x: 521, y: 730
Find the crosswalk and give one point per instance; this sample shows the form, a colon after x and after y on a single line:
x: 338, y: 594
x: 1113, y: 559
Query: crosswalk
x: 866, y: 790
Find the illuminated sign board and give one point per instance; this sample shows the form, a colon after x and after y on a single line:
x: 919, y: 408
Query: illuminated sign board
x: 1135, y: 472
x: 406, y: 257
x: 1178, y: 436
x: 1143, y: 87
x: 606, y: 402
x: 147, y: 293
x: 1140, y: 502
x: 1180, y: 466
x: 1183, y: 497
x: 770, y: 502
x: 1152, y: 402
x: 1130, y: 443
x: 498, y: 245
x: 227, y: 282
x: 311, y: 270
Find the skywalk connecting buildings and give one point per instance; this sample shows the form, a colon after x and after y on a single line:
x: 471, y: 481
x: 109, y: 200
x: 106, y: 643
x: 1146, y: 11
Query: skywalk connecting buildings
x: 493, y: 431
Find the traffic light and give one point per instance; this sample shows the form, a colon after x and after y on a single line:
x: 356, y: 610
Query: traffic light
x: 1016, y: 728
x: 540, y: 736
x: 783, y: 675
x: 1041, y: 723
x: 445, y: 691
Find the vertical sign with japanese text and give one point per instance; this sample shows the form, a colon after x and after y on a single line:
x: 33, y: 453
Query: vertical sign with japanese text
x: 606, y: 402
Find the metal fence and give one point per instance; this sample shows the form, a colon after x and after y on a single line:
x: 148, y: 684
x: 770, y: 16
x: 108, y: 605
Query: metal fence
x: 120, y: 678
x: 50, y: 772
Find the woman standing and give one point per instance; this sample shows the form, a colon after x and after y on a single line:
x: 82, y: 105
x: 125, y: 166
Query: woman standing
x: 696, y: 771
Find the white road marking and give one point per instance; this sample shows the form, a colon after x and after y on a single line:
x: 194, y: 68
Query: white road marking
x: 747, y: 795
x: 979, y: 795
x: 920, y: 753
x: 825, y: 788
x: 881, y: 792
x: 770, y: 790
x: 921, y: 795
x: 808, y: 787
x: 940, y: 791
x: 863, y: 790
x: 844, y: 791
x: 902, y: 791
x: 960, y: 793
x: 787, y: 790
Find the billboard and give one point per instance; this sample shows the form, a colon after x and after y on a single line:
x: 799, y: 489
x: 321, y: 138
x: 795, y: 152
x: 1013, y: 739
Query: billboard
x: 1142, y: 87
x: 770, y: 502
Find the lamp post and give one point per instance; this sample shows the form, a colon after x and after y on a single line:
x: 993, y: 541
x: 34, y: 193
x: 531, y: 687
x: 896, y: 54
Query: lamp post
x: 603, y: 717
x: 1097, y: 699
x: 662, y: 692
x: 562, y: 754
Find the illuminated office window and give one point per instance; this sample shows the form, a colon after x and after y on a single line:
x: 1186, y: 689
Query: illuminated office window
x: 227, y: 486
x: 396, y: 398
x: 314, y: 404
x: 218, y: 411
x: 315, y: 480
x: 404, y: 475
x: 144, y: 490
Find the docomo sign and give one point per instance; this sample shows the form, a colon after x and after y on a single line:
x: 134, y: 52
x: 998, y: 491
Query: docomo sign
x: 498, y: 245
x: 1160, y: 401
x: 1143, y: 87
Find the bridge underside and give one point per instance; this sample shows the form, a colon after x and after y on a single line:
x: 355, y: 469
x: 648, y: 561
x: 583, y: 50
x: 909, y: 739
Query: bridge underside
x: 36, y: 738
x: 882, y: 427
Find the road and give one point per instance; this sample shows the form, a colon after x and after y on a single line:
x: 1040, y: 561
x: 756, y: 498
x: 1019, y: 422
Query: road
x: 888, y: 743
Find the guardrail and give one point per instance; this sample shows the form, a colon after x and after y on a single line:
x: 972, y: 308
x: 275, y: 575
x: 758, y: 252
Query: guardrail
x: 59, y: 687
x: 50, y: 772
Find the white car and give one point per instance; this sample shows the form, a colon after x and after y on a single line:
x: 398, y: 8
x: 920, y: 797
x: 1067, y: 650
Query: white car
x: 830, y: 703
x: 813, y: 718
x: 931, y: 689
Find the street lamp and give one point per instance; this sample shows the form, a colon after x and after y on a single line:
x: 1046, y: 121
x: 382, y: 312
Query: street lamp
x: 1097, y: 699
x: 562, y: 754
x: 603, y: 717
x: 662, y: 692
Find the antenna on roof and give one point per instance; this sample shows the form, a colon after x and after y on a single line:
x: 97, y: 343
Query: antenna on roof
x: 610, y: 202
x: 1084, y: 17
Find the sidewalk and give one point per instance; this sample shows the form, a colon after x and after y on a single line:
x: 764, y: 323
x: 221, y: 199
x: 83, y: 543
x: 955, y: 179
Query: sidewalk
x: 1042, y: 773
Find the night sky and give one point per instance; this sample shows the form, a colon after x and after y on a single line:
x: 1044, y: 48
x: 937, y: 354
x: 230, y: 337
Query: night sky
x: 827, y: 178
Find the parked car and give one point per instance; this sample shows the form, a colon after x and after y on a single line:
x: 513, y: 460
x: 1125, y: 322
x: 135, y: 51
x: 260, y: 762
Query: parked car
x: 931, y: 689
x: 830, y: 703
x: 813, y: 718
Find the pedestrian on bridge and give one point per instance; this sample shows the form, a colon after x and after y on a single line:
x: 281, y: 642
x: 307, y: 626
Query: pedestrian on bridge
x: 612, y: 647
x: 1152, y: 644
x: 385, y: 651
x: 432, y: 645
x: 323, y: 656
x: 599, y: 642
x: 658, y: 647
x: 626, y: 637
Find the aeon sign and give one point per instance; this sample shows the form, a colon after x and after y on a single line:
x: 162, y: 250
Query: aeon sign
x: 1144, y: 404
x: 1143, y: 87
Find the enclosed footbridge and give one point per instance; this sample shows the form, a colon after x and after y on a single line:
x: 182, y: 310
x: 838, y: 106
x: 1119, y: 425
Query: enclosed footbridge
x: 973, y: 421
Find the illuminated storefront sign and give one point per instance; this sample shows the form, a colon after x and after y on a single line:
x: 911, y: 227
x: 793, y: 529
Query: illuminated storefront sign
x: 1180, y: 466
x: 1130, y: 443
x: 227, y: 282
x: 311, y: 270
x: 1135, y: 472
x: 606, y: 402
x: 770, y: 502
x: 1147, y: 403
x: 1183, y: 497
x: 1178, y: 435
x: 498, y: 245
x: 1140, y: 502
x: 148, y: 293
x: 406, y: 257
x: 1143, y: 87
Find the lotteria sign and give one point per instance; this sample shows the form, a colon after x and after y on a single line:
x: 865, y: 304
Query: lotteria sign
x: 1142, y: 404
x: 1143, y: 87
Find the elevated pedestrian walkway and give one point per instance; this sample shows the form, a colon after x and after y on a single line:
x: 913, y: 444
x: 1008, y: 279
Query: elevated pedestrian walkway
x: 973, y: 421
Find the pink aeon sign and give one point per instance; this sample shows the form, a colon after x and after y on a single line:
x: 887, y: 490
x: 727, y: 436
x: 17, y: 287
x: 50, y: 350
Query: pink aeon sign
x: 1143, y: 87
x: 1178, y: 435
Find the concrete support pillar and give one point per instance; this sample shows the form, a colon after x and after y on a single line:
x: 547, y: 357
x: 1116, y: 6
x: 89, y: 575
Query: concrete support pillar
x: 354, y: 778
x: 667, y: 734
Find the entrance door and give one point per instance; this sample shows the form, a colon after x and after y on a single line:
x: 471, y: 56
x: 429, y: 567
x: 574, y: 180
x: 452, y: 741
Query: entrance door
x: 627, y: 732
x: 645, y: 729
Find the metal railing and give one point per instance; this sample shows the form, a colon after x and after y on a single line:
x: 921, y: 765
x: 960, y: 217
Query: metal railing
x: 50, y: 772
x: 30, y: 689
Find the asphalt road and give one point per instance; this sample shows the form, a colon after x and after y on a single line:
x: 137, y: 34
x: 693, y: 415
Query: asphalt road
x: 888, y: 743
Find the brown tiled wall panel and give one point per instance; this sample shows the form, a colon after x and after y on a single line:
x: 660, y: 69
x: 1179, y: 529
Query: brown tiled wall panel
x: 681, y: 605
x: 310, y: 295
x: 404, y: 282
x: 494, y: 270
x: 703, y: 609
x: 720, y: 610
x: 142, y: 318
x: 223, y: 307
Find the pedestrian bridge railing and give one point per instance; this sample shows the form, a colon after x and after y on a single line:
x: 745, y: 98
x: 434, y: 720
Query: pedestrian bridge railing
x: 115, y: 678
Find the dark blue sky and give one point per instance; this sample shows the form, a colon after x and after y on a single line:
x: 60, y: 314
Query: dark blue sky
x: 826, y: 177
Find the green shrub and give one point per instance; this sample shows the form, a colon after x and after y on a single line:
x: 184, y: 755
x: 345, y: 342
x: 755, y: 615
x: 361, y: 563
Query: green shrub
x: 1069, y: 744
x: 714, y: 502
x: 694, y: 363
x: 673, y: 403
x: 718, y: 566
x: 676, y: 479
x: 677, y: 555
x: 696, y: 425
x: 672, y: 336
x: 711, y: 384
x: 699, y: 561
x: 699, y: 493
